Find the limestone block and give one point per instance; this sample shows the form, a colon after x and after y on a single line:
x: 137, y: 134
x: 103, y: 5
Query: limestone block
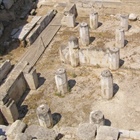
x: 70, y: 8
x: 10, y: 111
x: 74, y: 51
x: 105, y: 132
x: 124, y: 133
x: 39, y: 132
x: 106, y: 84
x: 133, y: 17
x: 84, y: 33
x: 41, y: 24
x: 61, y: 81
x: 97, y: 118
x: 16, y: 86
x: 17, y: 127
x: 135, y: 135
x: 4, y: 69
x: 69, y: 133
x: 44, y: 116
x: 21, y: 136
x: 114, y: 58
x: 86, y: 131
x: 32, y: 79
x: 94, y: 20
x: 28, y: 27
x: 8, y: 3
x: 70, y: 20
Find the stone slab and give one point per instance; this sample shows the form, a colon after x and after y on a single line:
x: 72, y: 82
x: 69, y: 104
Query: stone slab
x: 105, y: 131
x: 24, y: 30
x: 21, y: 136
x: 86, y: 131
x: 5, y: 69
x: 17, y: 127
x: 40, y: 132
x: 38, y: 47
x: 41, y: 24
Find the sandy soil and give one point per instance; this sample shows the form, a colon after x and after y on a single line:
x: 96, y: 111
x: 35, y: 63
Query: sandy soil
x: 122, y: 111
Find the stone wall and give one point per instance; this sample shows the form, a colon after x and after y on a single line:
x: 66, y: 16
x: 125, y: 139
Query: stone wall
x: 92, y: 56
x: 108, y: 57
x: 109, y: 6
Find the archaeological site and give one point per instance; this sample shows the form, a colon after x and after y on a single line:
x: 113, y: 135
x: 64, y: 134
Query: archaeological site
x: 69, y: 69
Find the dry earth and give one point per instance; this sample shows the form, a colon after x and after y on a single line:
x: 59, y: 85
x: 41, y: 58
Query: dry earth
x: 123, y: 111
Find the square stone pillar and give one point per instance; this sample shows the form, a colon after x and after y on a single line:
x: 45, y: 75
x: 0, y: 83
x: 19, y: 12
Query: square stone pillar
x: 10, y: 111
x: 31, y: 78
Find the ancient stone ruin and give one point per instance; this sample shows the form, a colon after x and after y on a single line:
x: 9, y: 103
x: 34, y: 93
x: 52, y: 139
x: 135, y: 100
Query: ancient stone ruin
x: 69, y: 70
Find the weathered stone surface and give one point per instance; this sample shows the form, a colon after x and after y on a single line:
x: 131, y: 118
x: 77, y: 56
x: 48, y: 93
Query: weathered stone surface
x: 84, y: 33
x: 70, y: 8
x: 114, y: 58
x: 69, y: 133
x: 10, y: 111
x: 106, y: 131
x: 86, y: 131
x: 61, y: 81
x: 17, y: 127
x: 8, y: 3
x: 74, y: 51
x: 120, y: 38
x: 4, y: 69
x: 97, y: 118
x: 106, y: 84
x: 124, y: 22
x: 44, y: 116
x: 40, y: 132
x: 21, y: 136
x: 94, y: 20
x: 24, y: 30
x: 132, y: 17
x: 70, y: 20
x: 135, y: 135
x: 31, y: 79
x: 41, y: 24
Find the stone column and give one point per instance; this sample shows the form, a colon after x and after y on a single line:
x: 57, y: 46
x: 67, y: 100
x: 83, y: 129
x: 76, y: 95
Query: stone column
x: 94, y: 20
x: 106, y: 84
x: 70, y: 20
x: 84, y: 33
x: 44, y: 116
x: 97, y: 118
x: 74, y: 51
x: 61, y: 81
x: 120, y: 38
x: 114, y: 58
x: 124, y: 22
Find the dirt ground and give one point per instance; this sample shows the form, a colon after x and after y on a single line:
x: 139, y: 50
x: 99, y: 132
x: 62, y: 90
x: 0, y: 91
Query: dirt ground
x: 122, y: 111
